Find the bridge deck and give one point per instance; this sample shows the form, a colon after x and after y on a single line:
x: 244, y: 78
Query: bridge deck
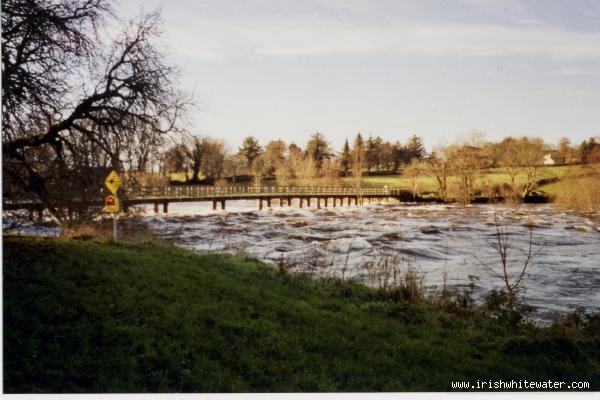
x: 200, y: 193
x: 167, y: 194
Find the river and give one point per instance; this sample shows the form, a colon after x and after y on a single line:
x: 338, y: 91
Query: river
x: 430, y: 239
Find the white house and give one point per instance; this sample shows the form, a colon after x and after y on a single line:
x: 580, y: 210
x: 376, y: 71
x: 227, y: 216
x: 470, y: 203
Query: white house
x: 553, y: 158
x: 548, y: 160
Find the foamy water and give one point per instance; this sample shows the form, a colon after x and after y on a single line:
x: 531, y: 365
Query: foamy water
x: 430, y: 238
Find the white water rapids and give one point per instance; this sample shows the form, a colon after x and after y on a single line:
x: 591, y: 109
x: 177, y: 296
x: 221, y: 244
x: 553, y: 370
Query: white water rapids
x: 430, y: 238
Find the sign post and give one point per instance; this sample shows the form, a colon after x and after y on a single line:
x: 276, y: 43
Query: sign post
x: 111, y: 202
x: 115, y: 227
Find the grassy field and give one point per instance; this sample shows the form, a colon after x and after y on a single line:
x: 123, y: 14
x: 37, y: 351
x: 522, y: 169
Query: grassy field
x: 490, y: 177
x: 83, y: 316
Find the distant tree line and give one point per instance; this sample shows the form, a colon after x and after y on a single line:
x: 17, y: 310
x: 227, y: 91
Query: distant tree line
x: 206, y: 159
x: 457, y: 169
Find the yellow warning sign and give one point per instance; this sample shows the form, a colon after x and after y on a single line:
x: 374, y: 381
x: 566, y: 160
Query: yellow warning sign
x: 113, y: 181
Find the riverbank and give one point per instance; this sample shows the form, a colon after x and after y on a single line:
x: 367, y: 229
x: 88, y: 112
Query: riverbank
x: 431, y: 238
x: 84, y: 316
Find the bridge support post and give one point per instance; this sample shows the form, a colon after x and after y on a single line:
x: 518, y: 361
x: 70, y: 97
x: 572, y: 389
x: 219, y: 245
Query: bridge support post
x: 269, y: 202
x: 326, y: 201
x: 155, y: 207
x: 318, y: 202
x: 281, y: 202
x: 356, y: 201
x: 334, y: 201
x: 166, y: 207
x: 40, y: 215
x: 308, y: 201
x: 222, y: 204
x: 214, y: 205
x: 301, y: 201
x: 260, y: 204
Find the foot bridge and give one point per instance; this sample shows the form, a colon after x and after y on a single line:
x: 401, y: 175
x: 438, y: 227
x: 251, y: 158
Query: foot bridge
x: 266, y: 195
x: 161, y: 197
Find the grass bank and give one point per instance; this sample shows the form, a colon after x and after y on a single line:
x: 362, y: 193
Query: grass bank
x: 88, y: 316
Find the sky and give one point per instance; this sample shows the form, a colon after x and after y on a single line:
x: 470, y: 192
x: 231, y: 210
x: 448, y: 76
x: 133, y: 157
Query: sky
x: 439, y: 69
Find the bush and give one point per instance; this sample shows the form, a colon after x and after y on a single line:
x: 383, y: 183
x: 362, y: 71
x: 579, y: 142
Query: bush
x: 580, y: 321
x: 496, y: 305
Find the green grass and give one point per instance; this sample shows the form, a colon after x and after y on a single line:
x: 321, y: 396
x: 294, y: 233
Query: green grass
x: 490, y: 177
x: 87, y: 316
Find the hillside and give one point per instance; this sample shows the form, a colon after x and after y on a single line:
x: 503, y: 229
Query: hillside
x: 83, y: 316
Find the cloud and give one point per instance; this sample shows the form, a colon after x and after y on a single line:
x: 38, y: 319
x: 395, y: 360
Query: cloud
x: 220, y: 39
x: 579, y: 71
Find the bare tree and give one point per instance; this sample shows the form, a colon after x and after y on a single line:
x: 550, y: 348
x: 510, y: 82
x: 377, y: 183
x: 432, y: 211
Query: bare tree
x: 437, y: 166
x: 291, y: 168
x: 566, y: 151
x: 175, y: 159
x: 306, y: 170
x: 206, y: 156
x: 213, y: 161
x: 466, y: 163
x: 68, y: 89
x: 510, y: 275
x: 530, y: 153
x: 358, y: 162
x: 414, y: 171
x: 233, y: 165
x: 285, y: 172
x: 330, y: 172
x: 259, y: 170
x: 509, y: 161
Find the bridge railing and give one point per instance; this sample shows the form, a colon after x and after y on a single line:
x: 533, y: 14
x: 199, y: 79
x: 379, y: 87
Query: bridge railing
x: 179, y: 192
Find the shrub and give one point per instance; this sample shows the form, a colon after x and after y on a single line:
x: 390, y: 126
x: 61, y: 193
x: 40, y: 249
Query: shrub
x: 497, y: 305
